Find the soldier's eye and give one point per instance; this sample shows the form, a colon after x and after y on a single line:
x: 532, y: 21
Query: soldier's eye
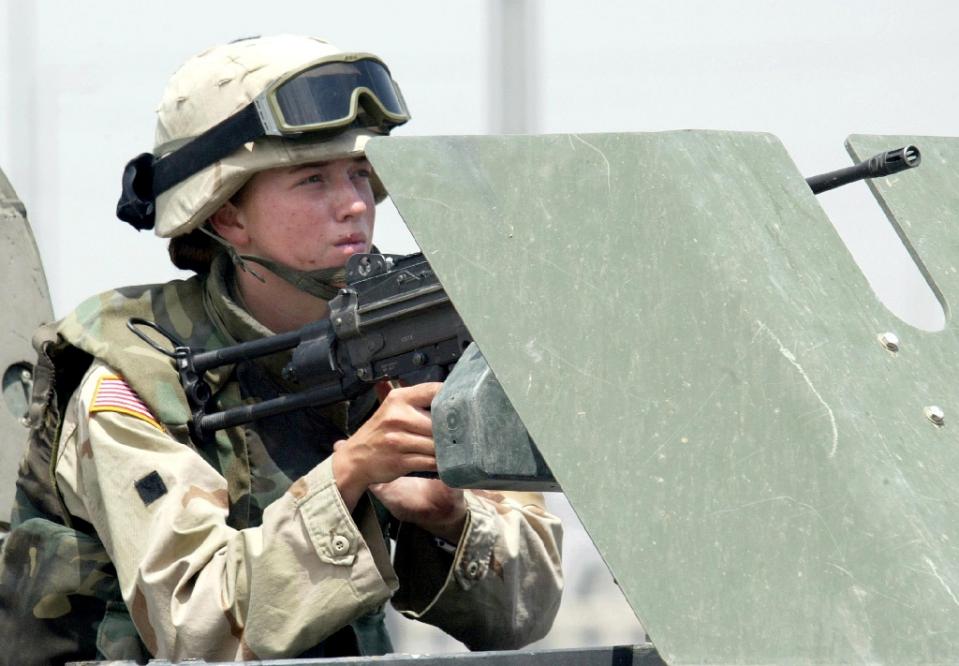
x: 312, y: 178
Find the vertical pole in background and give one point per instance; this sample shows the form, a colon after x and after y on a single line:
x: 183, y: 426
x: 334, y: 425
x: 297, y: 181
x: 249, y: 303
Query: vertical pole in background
x: 20, y: 98
x: 513, y: 76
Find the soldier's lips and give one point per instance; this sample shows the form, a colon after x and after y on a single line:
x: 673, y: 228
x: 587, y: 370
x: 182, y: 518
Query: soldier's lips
x: 352, y: 244
x: 351, y: 248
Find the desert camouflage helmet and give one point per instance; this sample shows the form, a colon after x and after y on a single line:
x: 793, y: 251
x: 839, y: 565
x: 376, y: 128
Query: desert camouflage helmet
x: 217, y: 84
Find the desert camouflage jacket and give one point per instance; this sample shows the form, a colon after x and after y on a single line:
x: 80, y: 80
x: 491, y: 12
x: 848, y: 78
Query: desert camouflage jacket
x: 130, y: 540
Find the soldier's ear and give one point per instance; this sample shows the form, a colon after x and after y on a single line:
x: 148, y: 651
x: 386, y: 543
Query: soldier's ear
x: 229, y: 224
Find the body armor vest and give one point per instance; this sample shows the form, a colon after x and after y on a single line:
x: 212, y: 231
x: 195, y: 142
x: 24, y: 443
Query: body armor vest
x: 59, y: 596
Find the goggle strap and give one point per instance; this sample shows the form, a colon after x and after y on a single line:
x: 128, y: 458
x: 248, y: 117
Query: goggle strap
x: 209, y: 147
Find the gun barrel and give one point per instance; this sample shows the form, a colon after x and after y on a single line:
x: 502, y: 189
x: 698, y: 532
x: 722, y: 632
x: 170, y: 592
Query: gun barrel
x: 245, y: 351
x: 318, y: 395
x: 883, y: 164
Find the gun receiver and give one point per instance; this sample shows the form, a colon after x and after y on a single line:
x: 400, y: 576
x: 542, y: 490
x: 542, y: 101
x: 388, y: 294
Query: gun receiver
x: 883, y: 164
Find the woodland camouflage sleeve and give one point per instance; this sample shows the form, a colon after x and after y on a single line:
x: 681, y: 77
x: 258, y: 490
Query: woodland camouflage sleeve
x: 196, y: 587
x: 501, y: 587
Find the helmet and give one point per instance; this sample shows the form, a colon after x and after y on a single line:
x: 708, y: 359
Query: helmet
x: 235, y: 85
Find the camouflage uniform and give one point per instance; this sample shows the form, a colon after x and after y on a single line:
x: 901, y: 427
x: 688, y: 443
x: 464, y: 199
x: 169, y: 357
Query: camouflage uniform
x: 242, y: 548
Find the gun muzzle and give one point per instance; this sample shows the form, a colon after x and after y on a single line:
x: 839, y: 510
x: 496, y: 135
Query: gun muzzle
x: 883, y: 164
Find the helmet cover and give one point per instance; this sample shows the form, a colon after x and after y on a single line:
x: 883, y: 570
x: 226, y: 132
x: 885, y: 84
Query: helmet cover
x: 214, y: 85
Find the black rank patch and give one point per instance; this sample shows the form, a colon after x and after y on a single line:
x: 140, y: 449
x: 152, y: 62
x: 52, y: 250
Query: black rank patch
x: 151, y: 488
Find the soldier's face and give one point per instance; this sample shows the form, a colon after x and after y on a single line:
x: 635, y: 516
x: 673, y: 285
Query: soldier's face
x: 308, y: 217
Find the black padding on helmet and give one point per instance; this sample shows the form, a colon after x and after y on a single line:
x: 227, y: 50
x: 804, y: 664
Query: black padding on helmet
x: 137, y: 205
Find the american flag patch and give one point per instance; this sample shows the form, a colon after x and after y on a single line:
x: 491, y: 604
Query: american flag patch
x: 115, y: 395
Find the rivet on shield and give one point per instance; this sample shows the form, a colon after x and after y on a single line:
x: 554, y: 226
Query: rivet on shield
x: 935, y: 414
x: 889, y: 340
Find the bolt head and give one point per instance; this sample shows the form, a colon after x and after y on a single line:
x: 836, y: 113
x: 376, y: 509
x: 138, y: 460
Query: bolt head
x: 935, y: 414
x: 452, y: 420
x: 889, y: 340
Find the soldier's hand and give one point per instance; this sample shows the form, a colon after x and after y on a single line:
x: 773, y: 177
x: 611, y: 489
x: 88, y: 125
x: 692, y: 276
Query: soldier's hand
x: 429, y: 503
x: 396, y: 440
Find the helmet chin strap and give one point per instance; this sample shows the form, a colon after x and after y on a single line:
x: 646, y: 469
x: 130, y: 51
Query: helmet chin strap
x: 323, y: 283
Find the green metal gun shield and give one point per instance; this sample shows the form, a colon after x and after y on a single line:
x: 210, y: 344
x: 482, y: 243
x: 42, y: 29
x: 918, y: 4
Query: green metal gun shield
x: 25, y: 304
x: 702, y: 366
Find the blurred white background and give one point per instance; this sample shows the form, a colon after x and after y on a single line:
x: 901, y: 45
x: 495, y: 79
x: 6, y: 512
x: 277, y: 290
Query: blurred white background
x: 79, y: 82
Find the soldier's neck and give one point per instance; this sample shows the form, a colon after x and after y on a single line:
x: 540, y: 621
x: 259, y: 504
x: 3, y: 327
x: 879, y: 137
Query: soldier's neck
x: 277, y: 304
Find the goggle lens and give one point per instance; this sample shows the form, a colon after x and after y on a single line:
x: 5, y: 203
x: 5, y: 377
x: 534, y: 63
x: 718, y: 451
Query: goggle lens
x: 324, y: 94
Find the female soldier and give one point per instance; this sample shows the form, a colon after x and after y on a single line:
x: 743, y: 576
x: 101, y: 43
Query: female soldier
x: 131, y: 539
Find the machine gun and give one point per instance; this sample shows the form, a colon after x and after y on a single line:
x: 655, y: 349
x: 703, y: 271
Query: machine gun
x: 391, y: 321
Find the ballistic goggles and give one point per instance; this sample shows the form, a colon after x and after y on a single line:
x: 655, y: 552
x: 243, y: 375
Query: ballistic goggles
x: 327, y: 95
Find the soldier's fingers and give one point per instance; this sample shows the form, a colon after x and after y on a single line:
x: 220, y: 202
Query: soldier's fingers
x: 419, y: 464
x: 418, y: 395
x: 413, y: 444
x: 406, y: 417
x: 419, y: 422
